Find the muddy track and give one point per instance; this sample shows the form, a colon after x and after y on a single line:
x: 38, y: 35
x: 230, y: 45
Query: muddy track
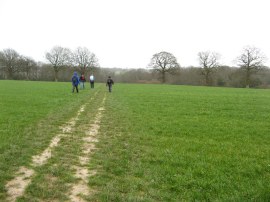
x: 79, y: 189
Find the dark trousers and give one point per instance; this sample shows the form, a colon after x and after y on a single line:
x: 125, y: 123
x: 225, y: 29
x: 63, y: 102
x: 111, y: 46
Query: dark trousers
x: 92, y: 84
x: 75, y: 86
x: 110, y: 88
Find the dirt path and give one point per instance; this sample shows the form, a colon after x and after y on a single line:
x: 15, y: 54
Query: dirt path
x: 82, y: 173
x: 79, y: 190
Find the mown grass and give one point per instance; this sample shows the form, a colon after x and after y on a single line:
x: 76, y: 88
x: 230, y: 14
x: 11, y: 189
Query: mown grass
x: 31, y: 113
x: 174, y: 143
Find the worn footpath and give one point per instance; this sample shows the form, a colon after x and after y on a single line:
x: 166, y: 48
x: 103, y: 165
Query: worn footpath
x: 62, y: 171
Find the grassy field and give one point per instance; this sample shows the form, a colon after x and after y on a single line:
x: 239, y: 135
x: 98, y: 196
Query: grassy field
x: 156, y: 142
x: 30, y: 115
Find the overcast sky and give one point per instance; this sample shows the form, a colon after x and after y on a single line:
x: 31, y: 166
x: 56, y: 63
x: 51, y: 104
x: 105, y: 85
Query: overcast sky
x: 126, y: 33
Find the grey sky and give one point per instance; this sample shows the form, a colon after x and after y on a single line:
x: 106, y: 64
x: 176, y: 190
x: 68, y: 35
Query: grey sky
x: 126, y: 33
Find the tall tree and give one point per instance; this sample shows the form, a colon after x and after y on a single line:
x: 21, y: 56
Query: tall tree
x: 209, y: 63
x: 27, y: 65
x: 250, y: 61
x: 9, y: 60
x: 59, y: 57
x: 163, y: 63
x: 84, y: 59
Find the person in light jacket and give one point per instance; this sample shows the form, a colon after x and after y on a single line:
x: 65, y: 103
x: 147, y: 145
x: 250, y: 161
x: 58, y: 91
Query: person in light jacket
x: 92, y: 81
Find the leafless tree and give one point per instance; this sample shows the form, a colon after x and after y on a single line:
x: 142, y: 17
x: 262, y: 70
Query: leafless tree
x: 59, y: 57
x: 9, y: 62
x: 163, y: 63
x: 209, y: 63
x: 251, y: 61
x: 84, y: 59
x: 27, y: 65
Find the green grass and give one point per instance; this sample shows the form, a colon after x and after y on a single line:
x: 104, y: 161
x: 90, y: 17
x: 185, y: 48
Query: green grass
x: 156, y: 142
x: 31, y: 113
x: 53, y: 181
x: 172, y: 143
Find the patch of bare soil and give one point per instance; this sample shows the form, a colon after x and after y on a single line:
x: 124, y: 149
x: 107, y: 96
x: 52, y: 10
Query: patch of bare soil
x: 15, y: 188
x: 82, y: 173
x: 41, y: 159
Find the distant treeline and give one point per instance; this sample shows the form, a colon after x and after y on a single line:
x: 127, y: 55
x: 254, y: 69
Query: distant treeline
x: 250, y: 73
x: 223, y: 76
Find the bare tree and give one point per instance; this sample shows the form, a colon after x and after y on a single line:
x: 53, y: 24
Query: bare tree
x: 59, y: 57
x: 9, y: 60
x: 163, y: 63
x: 27, y: 65
x: 84, y: 59
x: 251, y: 61
x: 209, y: 62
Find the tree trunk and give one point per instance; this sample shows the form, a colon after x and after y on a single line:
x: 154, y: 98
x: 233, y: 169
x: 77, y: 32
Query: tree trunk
x: 163, y: 77
x: 27, y: 75
x: 208, y: 79
x: 55, y: 75
x: 248, y: 79
x: 9, y: 74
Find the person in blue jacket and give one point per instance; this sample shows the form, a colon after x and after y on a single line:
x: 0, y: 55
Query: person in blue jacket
x: 75, y: 82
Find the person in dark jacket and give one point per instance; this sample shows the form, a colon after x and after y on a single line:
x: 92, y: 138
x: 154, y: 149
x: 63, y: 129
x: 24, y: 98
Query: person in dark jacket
x: 109, y: 83
x: 75, y: 82
x: 82, y: 80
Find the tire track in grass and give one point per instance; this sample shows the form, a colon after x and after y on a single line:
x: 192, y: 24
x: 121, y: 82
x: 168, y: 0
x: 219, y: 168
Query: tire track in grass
x: 23, y: 177
x: 81, y: 189
x: 15, y: 187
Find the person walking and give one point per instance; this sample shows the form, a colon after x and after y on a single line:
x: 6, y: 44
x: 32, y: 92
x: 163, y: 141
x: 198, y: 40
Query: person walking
x: 82, y: 80
x: 75, y: 82
x: 109, y: 83
x: 92, y: 81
